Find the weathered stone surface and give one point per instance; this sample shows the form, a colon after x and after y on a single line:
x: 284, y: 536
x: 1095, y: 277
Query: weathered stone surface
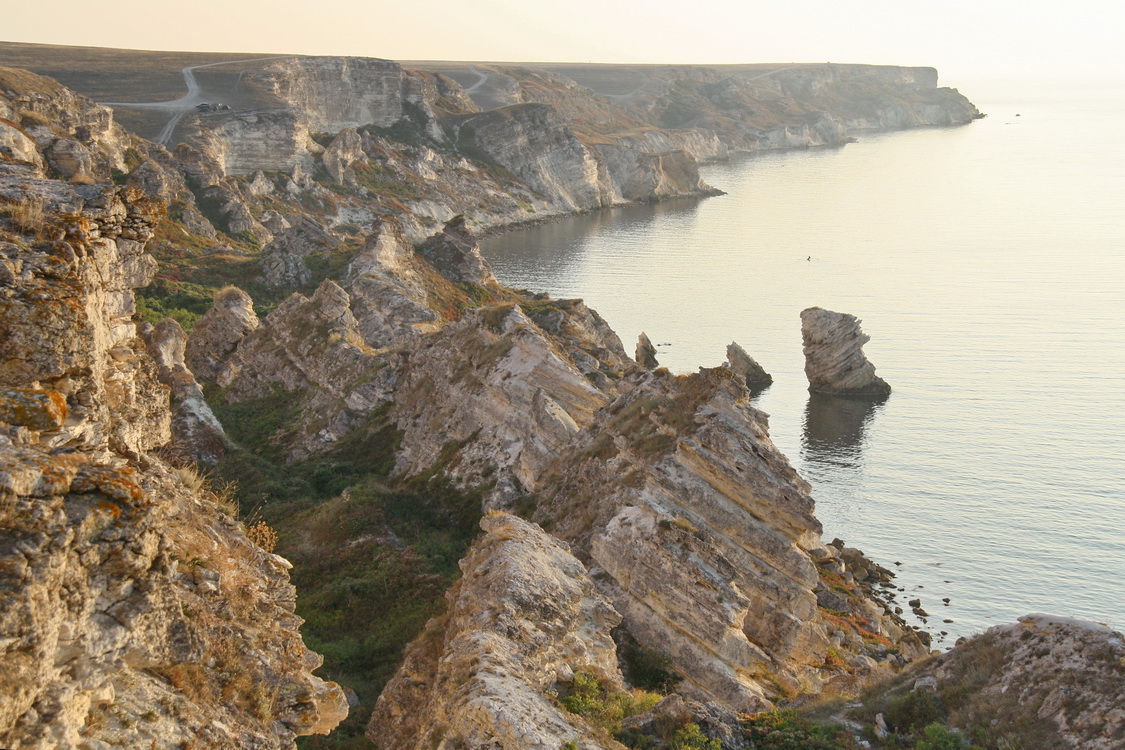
x: 455, y: 253
x: 33, y: 408
x: 218, y: 332
x: 701, y: 527
x: 523, y: 617
x: 16, y: 144
x: 242, y: 143
x: 338, y: 92
x: 389, y: 299
x: 496, y: 385
x: 311, y: 348
x: 1045, y: 681
x: 646, y: 353
x: 834, y: 361
x: 285, y: 270
x: 135, y: 611
x: 345, y: 150
x: 535, y: 143
x: 196, y: 432
x: 747, y: 368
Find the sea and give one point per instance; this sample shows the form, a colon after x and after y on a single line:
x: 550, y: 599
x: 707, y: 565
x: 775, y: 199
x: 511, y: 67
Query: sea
x: 987, y: 263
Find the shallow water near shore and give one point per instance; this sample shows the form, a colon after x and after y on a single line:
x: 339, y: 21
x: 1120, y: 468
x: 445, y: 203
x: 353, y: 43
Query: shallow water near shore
x: 988, y: 265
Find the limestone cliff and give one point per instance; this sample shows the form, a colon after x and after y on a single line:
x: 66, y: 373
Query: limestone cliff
x: 136, y: 610
x: 524, y: 617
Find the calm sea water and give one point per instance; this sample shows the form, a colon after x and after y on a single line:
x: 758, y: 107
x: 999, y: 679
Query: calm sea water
x: 987, y: 263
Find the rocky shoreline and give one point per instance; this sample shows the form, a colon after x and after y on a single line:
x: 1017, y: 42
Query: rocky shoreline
x: 651, y: 571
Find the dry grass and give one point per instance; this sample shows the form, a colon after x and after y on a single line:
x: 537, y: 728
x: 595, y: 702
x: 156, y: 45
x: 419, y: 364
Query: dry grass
x: 27, y: 216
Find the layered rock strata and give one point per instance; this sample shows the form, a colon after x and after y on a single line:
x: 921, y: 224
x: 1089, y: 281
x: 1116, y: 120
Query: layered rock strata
x: 523, y: 618
x: 135, y: 610
x: 705, y: 533
x: 747, y: 368
x: 834, y: 361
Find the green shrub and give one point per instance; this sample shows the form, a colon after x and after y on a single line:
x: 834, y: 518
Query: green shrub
x: 593, y: 699
x: 911, y: 712
x: 938, y: 737
x: 691, y: 737
x: 785, y: 730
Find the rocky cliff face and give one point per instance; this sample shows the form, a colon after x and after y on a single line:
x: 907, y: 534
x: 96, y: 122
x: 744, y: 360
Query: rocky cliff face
x: 135, y: 610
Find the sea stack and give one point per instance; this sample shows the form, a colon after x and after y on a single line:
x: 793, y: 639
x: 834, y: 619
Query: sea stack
x: 834, y: 361
x: 746, y: 368
x: 646, y: 353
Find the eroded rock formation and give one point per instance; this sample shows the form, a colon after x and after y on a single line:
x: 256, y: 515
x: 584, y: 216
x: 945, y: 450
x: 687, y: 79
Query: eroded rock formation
x: 747, y: 368
x: 524, y: 617
x: 834, y: 361
x: 135, y: 610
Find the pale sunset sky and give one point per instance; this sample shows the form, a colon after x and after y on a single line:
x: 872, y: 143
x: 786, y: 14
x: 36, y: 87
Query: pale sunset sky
x: 976, y: 38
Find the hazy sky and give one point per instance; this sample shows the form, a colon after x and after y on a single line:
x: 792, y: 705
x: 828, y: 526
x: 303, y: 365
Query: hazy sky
x: 960, y: 37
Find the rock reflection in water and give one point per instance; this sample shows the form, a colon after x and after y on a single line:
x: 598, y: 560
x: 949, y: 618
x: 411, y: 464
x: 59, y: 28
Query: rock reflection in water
x: 835, y: 429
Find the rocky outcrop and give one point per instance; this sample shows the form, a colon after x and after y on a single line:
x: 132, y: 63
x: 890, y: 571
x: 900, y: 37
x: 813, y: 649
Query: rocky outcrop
x: 834, y: 361
x: 196, y: 433
x: 523, y: 618
x: 338, y: 92
x: 242, y: 143
x: 646, y: 353
x: 535, y: 144
x: 747, y: 368
x: 491, y: 395
x: 72, y: 134
x: 215, y: 335
x: 704, y: 533
x: 1045, y: 681
x: 72, y: 286
x: 455, y: 253
x: 135, y: 610
x: 389, y: 298
x: 310, y: 348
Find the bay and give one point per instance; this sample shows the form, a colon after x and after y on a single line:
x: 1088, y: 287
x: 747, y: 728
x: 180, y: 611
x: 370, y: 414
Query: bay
x: 988, y: 265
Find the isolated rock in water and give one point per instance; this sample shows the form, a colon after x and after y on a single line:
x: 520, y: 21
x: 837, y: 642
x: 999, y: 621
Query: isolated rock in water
x: 218, y: 332
x: 455, y: 253
x: 646, y: 353
x: 745, y: 367
x: 524, y: 617
x: 834, y: 360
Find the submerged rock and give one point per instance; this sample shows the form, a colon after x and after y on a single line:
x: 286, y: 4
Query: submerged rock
x: 834, y: 361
